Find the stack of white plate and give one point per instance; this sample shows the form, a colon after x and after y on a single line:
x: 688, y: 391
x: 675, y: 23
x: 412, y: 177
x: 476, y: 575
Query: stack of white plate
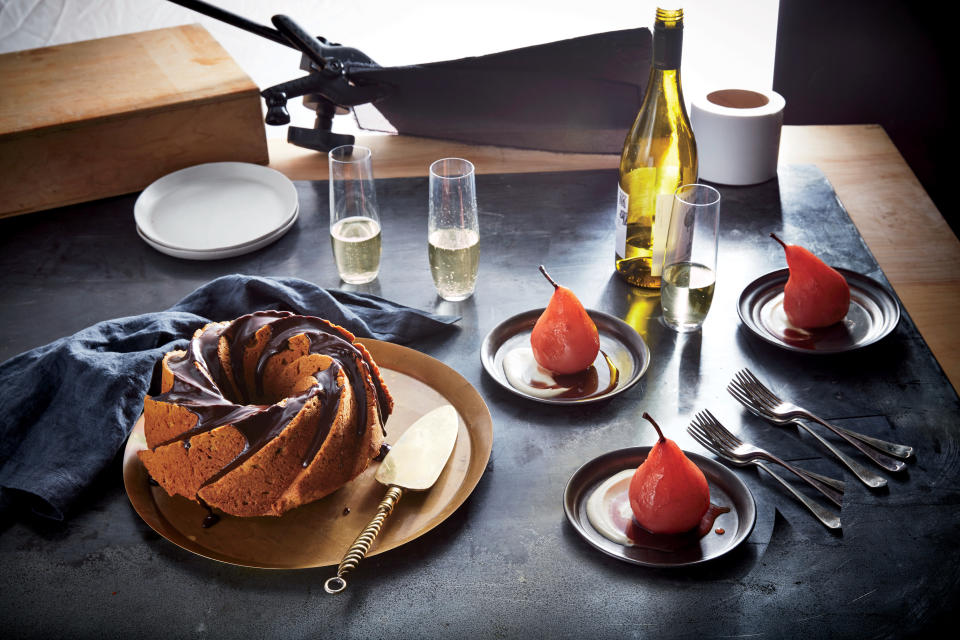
x: 216, y: 210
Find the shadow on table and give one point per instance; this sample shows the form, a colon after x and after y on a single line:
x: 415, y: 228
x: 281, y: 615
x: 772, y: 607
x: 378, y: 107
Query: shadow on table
x: 396, y: 566
x: 731, y: 566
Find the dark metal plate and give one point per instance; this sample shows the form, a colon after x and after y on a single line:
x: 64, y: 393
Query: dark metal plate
x: 873, y: 314
x: 622, y: 344
x: 726, y: 490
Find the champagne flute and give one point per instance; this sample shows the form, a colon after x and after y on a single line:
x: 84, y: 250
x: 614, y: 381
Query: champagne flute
x: 453, y: 231
x: 354, y: 216
x: 690, y: 259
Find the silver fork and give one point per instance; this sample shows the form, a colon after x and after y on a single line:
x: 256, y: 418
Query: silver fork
x: 865, y: 475
x: 759, y: 399
x: 710, y: 429
x: 891, y: 448
x: 822, y: 514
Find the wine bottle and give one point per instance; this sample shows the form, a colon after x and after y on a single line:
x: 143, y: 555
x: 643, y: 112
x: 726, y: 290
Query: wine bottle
x: 659, y: 155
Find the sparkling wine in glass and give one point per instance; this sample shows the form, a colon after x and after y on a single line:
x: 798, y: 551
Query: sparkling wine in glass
x: 453, y: 232
x: 356, y: 248
x: 354, y: 216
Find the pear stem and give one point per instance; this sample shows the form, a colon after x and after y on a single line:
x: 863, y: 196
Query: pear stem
x: 646, y: 416
x: 546, y: 275
x: 782, y: 243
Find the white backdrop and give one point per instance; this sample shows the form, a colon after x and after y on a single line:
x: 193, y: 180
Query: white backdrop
x: 727, y: 43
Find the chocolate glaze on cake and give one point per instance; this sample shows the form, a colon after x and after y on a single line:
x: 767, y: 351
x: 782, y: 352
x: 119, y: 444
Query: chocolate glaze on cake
x: 203, y: 386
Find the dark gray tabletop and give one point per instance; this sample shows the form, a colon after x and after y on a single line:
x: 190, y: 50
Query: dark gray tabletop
x: 507, y: 564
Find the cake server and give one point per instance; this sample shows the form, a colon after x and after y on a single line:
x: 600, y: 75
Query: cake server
x: 413, y: 464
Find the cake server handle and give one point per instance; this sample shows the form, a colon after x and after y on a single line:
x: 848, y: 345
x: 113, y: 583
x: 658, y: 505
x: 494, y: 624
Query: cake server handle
x: 362, y: 544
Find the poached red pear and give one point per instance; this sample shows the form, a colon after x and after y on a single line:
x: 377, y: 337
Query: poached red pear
x: 816, y: 295
x: 668, y: 493
x: 565, y: 339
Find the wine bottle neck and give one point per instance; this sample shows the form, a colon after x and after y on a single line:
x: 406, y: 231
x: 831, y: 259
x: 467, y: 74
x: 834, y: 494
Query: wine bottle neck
x: 667, y: 82
x: 667, y: 40
x: 664, y: 94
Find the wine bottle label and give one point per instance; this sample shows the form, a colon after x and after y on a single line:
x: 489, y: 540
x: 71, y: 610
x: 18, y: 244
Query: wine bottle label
x: 661, y: 226
x: 623, y: 206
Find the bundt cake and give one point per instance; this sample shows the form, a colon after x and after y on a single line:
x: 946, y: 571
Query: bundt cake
x: 265, y: 413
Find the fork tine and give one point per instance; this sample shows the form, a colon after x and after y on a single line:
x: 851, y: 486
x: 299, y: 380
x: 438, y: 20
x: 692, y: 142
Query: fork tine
x: 713, y: 419
x: 698, y: 425
x: 734, y: 384
x: 749, y: 403
x: 759, y: 394
x: 762, y: 391
x: 748, y: 382
x: 743, y: 378
x: 707, y: 427
x: 705, y: 421
x: 703, y: 440
x: 697, y: 429
x: 694, y: 431
x: 762, y: 388
x: 762, y: 403
x: 752, y: 377
x: 708, y: 443
x: 717, y: 451
x: 722, y: 430
x: 741, y: 395
x: 742, y: 381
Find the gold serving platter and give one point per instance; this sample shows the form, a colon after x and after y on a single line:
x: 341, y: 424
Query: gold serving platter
x: 317, y: 534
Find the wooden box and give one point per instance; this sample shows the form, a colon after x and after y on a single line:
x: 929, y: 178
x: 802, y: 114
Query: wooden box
x: 104, y: 117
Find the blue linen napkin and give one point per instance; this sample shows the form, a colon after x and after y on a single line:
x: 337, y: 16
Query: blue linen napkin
x: 67, y: 408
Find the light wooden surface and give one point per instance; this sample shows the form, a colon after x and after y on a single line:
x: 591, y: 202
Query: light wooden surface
x: 913, y: 244
x: 99, y: 118
x: 107, y: 77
